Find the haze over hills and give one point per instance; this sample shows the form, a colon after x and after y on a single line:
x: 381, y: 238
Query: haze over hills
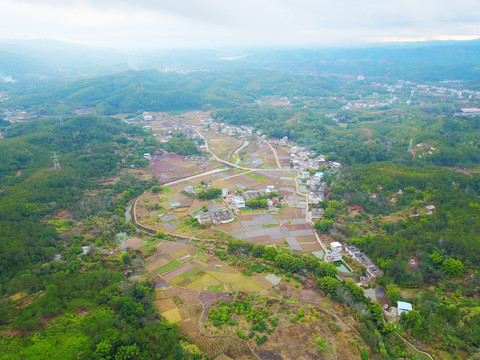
x: 436, y: 60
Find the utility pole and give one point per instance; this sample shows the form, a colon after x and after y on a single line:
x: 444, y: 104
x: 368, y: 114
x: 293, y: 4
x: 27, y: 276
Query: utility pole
x: 56, y: 164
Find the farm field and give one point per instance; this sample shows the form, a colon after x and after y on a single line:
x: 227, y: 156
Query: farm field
x: 283, y: 155
x: 257, y: 155
x: 171, y: 167
x: 221, y: 145
x: 287, y: 227
x: 189, y: 118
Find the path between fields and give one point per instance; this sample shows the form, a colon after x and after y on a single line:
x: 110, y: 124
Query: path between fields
x: 238, y: 149
x: 413, y: 346
x: 275, y: 153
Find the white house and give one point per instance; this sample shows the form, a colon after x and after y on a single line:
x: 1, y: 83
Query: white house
x: 239, y: 202
x: 336, y: 251
x: 403, y: 307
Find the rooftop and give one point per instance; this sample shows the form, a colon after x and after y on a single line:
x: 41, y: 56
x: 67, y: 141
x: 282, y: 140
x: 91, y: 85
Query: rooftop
x: 402, y: 305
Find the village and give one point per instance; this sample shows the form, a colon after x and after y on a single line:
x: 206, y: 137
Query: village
x: 273, y: 200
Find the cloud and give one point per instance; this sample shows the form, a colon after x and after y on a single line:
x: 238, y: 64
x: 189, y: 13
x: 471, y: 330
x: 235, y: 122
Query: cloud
x: 187, y: 23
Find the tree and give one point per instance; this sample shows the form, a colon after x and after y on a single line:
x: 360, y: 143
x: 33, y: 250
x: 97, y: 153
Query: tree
x: 453, y: 267
x: 414, y: 321
x: 258, y: 250
x: 329, y: 284
x: 323, y: 225
x: 354, y: 289
x: 289, y: 262
x: 393, y: 293
x: 376, y: 312
x: 209, y: 194
x: 329, y: 213
x: 269, y: 253
x: 364, y: 354
x: 436, y: 258
x: 326, y: 269
x: 156, y: 189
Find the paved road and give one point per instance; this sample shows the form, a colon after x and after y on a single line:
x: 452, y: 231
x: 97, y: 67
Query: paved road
x: 214, y: 171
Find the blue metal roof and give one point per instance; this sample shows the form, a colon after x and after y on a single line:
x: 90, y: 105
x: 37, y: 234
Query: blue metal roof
x: 402, y: 305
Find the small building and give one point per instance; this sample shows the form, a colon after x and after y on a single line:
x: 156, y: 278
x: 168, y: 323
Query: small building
x: 470, y: 111
x: 403, y: 307
x: 239, y: 202
x: 270, y: 188
x: 222, y: 216
x: 335, y: 251
x: 352, y: 250
x: 364, y: 259
x: 173, y: 203
x: 224, y: 192
x: 374, y: 271
x: 189, y: 189
x: 317, y: 213
x: 204, y: 218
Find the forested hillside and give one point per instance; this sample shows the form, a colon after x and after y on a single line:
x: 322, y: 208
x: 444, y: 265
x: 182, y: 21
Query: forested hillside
x: 44, y: 212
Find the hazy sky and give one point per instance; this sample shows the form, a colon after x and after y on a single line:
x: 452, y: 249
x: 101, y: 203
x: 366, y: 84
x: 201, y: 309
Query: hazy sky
x: 211, y: 23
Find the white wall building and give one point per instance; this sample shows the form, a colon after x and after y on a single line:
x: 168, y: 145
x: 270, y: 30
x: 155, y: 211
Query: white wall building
x: 336, y: 251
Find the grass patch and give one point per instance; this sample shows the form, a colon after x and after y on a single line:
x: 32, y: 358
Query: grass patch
x: 167, y: 267
x: 191, y: 273
x: 257, y: 177
x: 216, y: 288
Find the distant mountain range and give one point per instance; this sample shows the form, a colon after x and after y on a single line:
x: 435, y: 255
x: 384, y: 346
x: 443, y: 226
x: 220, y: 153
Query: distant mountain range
x: 436, y: 60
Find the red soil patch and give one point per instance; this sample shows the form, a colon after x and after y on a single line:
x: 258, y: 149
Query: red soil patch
x: 64, y: 214
x: 83, y: 312
x: 356, y: 207
x: 369, y: 134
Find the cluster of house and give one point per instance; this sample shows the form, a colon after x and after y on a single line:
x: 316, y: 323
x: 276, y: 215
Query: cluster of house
x: 451, y: 92
x: 473, y: 111
x: 242, y: 131
x: 317, y: 188
x: 239, y: 200
x: 216, y: 217
x: 285, y: 141
x: 273, y: 100
x: 372, y: 104
x: 17, y: 115
x: 372, y: 270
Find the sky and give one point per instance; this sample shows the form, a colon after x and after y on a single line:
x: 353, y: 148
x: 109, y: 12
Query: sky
x: 133, y: 24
